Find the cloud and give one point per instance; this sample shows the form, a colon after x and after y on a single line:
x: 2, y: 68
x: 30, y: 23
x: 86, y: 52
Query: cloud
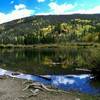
x: 62, y: 80
x: 91, y: 11
x: 64, y: 9
x: 20, y: 11
x: 12, y: 2
x: 60, y: 9
x: 95, y: 10
x: 41, y: 0
x: 20, y: 6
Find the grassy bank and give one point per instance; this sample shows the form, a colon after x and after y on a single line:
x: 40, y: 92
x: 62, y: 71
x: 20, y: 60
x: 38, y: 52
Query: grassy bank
x: 51, y: 45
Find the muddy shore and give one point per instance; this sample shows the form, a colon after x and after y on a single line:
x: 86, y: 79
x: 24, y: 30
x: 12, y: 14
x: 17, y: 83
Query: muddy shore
x: 12, y: 89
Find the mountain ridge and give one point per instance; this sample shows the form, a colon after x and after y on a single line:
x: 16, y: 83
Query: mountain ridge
x: 69, y: 15
x: 41, y: 28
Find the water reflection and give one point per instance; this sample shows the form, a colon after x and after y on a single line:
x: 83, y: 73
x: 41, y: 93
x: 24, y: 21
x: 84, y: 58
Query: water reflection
x: 80, y: 83
x: 50, y: 60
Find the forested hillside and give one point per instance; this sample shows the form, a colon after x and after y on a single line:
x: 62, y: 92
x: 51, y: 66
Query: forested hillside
x: 51, y: 29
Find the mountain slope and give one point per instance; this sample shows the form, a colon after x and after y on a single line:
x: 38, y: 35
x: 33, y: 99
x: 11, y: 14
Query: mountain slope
x: 51, y: 29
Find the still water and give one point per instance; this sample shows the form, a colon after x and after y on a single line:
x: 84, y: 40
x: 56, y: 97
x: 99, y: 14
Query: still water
x: 49, y: 61
x: 58, y: 64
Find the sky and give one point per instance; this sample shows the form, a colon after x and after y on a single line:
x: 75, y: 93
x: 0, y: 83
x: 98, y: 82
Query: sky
x: 15, y: 9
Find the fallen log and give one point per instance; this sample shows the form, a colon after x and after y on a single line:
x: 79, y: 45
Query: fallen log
x: 82, y: 69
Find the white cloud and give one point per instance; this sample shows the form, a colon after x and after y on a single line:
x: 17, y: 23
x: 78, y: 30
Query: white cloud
x: 62, y: 80
x: 60, y: 9
x: 63, y: 9
x: 91, y: 11
x: 20, y: 11
x: 95, y: 10
x: 20, y: 6
x: 12, y: 2
x: 40, y: 0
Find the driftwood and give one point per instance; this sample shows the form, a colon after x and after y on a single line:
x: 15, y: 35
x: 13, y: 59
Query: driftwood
x: 84, y: 70
x: 36, y: 88
x: 39, y: 86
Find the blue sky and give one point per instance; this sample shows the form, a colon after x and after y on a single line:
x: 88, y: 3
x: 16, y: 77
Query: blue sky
x: 15, y: 9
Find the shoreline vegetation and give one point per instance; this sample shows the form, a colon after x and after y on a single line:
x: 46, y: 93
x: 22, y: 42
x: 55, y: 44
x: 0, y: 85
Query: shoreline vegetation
x: 51, y: 45
x: 52, y: 29
x: 18, y: 89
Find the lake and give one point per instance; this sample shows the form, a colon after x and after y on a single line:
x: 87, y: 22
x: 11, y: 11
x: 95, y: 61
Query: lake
x: 50, y: 61
x: 59, y: 63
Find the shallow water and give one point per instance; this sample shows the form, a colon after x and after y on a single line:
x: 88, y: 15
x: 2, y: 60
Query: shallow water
x: 79, y: 83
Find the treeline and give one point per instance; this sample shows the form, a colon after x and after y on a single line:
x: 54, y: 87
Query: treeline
x: 51, y: 29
